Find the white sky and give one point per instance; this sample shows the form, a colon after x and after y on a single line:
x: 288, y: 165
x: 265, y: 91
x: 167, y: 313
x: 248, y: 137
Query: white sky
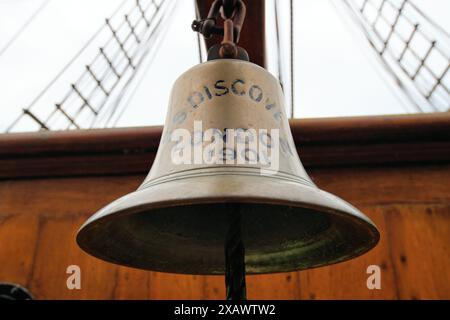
x: 334, y: 74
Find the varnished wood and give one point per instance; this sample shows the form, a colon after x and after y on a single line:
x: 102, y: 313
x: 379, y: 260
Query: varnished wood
x: 400, y: 181
x: 410, y: 205
x: 378, y: 140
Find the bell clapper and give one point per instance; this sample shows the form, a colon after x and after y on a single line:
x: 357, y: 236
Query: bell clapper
x: 235, y: 257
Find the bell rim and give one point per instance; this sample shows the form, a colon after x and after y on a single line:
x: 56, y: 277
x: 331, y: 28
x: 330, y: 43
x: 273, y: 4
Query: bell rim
x: 355, y: 218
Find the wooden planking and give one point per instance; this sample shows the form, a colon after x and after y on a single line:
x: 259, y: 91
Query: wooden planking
x: 282, y: 286
x: 321, y: 131
x: 342, y: 281
x: 323, y: 143
x: 131, y: 284
x: 19, y: 238
x: 360, y: 186
x: 419, y: 237
x: 37, y: 233
x: 214, y: 287
x: 348, y: 280
x: 171, y: 286
x: 65, y: 197
x: 56, y: 251
x: 386, y: 185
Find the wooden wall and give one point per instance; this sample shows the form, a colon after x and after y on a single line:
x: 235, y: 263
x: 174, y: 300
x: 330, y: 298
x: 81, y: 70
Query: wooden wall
x: 40, y: 213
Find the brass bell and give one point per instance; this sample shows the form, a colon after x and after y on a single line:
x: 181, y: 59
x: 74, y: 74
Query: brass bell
x: 177, y: 219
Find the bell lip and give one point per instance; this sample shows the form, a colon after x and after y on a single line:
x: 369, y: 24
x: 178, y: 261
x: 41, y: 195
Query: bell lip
x: 361, y: 219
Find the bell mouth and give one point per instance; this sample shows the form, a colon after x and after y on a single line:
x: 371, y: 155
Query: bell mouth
x: 188, y: 236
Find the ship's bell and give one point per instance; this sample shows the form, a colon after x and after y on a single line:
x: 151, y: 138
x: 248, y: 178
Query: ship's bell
x: 177, y: 219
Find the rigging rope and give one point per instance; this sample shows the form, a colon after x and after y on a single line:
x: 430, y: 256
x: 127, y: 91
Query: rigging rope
x: 292, y: 57
x: 420, y: 74
x: 288, y: 84
x: 145, y: 53
x: 278, y: 40
x: 24, y: 27
x: 63, y: 70
x: 108, y: 74
x: 133, y: 57
x: 199, y: 40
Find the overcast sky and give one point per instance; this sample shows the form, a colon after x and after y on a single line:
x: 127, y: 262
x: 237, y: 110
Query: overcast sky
x: 334, y: 74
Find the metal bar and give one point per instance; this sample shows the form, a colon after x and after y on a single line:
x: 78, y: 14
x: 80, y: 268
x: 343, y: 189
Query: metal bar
x: 422, y: 61
x: 393, y: 26
x: 60, y: 109
x: 120, y: 43
x: 252, y: 38
x: 235, y: 257
x: 98, y: 81
x: 132, y: 29
x: 142, y: 11
x: 102, y: 51
x: 30, y: 114
x: 439, y: 82
x: 85, y: 101
x: 379, y: 11
x: 408, y: 42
